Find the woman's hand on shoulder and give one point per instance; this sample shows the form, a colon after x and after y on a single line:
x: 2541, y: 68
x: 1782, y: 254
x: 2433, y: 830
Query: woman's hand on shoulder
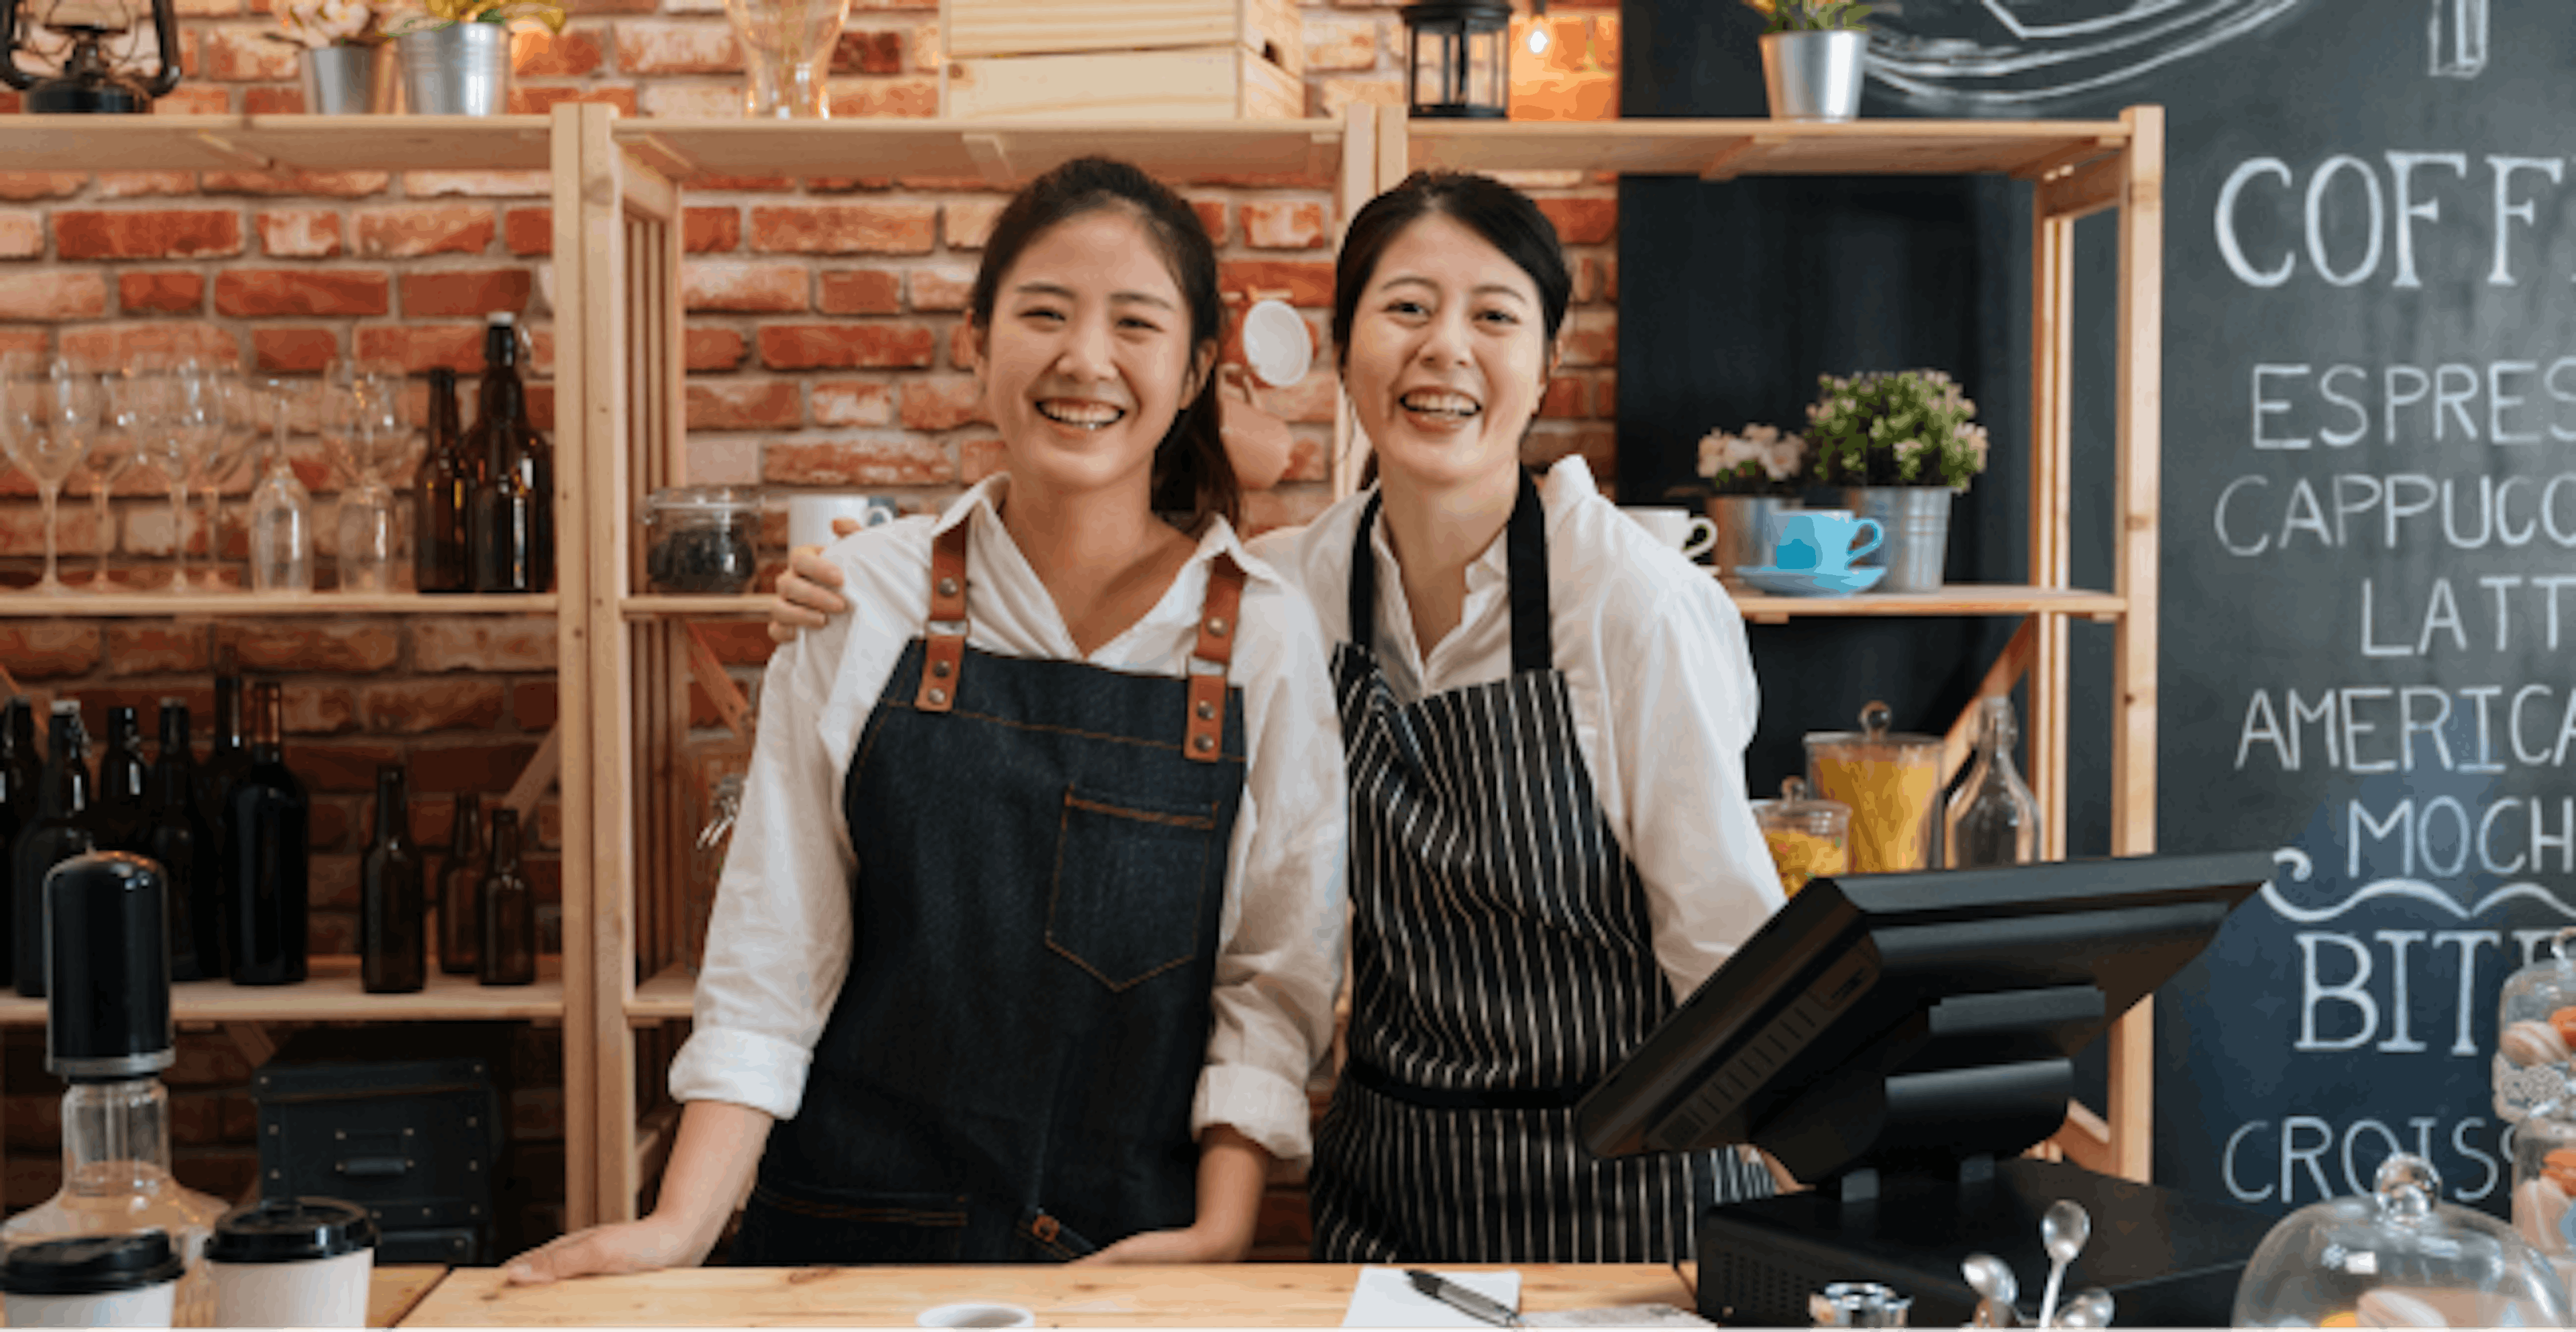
x: 807, y: 592
x: 632, y: 1246
x: 1191, y: 1244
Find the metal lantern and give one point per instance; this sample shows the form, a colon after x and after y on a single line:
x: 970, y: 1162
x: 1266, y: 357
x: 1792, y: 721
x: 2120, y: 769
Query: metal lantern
x: 90, y: 79
x: 1456, y: 59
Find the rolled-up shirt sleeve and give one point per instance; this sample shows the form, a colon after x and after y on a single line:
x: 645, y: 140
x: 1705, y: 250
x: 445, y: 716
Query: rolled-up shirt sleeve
x: 778, y: 943
x: 1280, y: 965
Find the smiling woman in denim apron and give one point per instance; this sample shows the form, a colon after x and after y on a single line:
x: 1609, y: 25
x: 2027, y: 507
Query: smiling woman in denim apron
x: 1031, y: 926
x: 1544, y: 713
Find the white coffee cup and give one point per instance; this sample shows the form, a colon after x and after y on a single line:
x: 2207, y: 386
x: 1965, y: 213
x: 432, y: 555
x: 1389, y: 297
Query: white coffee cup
x: 1690, y: 533
x: 128, y: 1280
x: 292, y: 1262
x: 809, y: 517
x: 976, y: 1315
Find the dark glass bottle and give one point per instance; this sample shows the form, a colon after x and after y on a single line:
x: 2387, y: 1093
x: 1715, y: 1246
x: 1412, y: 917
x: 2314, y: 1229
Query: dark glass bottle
x: 123, y: 772
x: 442, y: 493
x: 510, y: 525
x: 267, y: 854
x: 393, y: 951
x: 176, y: 834
x: 66, y: 825
x: 20, y: 766
x: 460, y: 892
x: 227, y: 752
x: 509, y: 910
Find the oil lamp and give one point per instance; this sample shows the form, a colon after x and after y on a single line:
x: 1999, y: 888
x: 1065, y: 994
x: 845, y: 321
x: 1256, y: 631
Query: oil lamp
x: 91, y: 79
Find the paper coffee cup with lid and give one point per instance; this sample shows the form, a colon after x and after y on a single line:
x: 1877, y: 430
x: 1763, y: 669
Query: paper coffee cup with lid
x: 128, y: 1280
x: 292, y: 1262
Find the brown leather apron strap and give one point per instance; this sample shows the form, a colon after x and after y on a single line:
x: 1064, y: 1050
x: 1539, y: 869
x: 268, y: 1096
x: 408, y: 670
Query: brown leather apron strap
x: 944, y: 642
x: 1217, y: 630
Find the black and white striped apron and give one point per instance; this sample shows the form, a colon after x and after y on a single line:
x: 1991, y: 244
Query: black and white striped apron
x: 1502, y: 962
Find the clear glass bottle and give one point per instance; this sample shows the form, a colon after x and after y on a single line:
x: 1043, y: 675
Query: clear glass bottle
x: 281, y: 526
x: 116, y: 1179
x: 1992, y: 818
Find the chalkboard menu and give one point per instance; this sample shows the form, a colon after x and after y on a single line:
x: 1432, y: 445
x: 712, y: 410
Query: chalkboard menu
x: 2369, y: 573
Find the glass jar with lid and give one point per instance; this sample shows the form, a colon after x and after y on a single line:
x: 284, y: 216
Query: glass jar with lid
x: 2398, y: 1257
x: 1808, y: 838
x: 1891, y: 781
x: 2544, y: 1181
x: 706, y: 538
x: 2536, y: 1030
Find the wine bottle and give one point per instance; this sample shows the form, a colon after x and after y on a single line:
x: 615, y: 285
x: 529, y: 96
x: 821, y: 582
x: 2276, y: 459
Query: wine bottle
x: 20, y: 765
x: 509, y: 910
x: 510, y: 525
x: 176, y: 834
x: 393, y: 953
x: 460, y: 892
x: 122, y: 772
x: 227, y: 758
x: 65, y: 826
x: 267, y: 854
x: 442, y: 494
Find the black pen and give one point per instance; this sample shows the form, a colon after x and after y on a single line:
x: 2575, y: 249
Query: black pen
x: 1462, y: 1299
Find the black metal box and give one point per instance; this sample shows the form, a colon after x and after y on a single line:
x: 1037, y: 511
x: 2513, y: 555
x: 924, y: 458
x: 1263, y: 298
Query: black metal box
x: 404, y: 1119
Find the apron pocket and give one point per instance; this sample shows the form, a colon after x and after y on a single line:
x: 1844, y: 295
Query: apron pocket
x: 805, y: 1225
x: 1130, y: 875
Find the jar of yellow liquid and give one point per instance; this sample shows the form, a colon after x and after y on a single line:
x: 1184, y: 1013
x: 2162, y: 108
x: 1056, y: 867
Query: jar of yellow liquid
x: 1891, y: 780
x: 1808, y: 838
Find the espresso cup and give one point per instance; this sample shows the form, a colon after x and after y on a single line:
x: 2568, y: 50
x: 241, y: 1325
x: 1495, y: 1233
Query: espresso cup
x: 1690, y: 533
x: 1820, y: 540
x: 809, y: 517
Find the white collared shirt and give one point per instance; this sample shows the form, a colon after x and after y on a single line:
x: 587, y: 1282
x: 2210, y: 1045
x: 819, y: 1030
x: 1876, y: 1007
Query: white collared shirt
x: 1654, y: 656
x: 779, y: 942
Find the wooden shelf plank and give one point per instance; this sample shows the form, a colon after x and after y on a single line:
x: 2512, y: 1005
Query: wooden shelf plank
x: 1304, y: 149
x: 1952, y: 599
x: 671, y: 993
x: 658, y: 605
x: 276, y: 143
x: 1765, y: 147
x: 333, y: 995
x: 194, y: 605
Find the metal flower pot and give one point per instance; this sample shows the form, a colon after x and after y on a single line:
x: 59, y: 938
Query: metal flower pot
x: 1917, y: 522
x: 462, y: 69
x: 1744, y: 531
x: 350, y: 81
x: 1814, y: 75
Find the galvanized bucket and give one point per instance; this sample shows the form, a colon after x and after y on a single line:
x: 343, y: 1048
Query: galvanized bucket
x: 1814, y: 75
x: 1917, y: 522
x: 350, y: 81
x: 1744, y: 535
x: 462, y: 69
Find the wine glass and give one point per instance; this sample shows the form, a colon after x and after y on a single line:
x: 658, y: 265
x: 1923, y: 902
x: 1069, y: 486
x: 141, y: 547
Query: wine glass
x: 113, y: 451
x: 244, y: 420
x: 361, y: 412
x: 49, y: 412
x: 175, y: 412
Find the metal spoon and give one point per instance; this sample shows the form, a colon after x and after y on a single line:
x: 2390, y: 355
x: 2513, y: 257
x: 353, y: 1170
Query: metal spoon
x: 2090, y: 1307
x: 1993, y: 1278
x: 2063, y: 1228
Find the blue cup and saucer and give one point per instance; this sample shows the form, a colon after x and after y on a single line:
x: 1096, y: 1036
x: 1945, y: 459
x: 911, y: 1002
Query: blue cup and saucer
x: 1812, y: 555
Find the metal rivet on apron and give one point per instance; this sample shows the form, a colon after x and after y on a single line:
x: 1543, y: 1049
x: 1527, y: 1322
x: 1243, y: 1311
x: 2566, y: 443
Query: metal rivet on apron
x: 1045, y: 1228
x: 948, y: 587
x: 1207, y: 710
x: 939, y: 669
x: 938, y: 696
x: 1204, y: 743
x: 1216, y: 625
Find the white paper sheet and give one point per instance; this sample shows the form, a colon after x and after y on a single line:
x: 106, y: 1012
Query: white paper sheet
x: 1384, y: 1298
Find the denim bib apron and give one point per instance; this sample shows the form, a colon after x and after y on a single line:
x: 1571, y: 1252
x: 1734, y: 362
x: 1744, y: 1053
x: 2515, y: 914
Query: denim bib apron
x: 1007, y: 1073
x: 1502, y: 961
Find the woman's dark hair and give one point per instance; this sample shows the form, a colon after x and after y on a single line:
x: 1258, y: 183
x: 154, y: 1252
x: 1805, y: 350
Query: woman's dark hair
x: 1192, y: 474
x: 1504, y: 216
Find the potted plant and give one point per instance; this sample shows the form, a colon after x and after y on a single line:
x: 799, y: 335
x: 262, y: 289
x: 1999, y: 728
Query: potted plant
x: 456, y: 53
x: 1751, y: 478
x: 1901, y: 445
x: 1812, y: 56
x: 344, y: 46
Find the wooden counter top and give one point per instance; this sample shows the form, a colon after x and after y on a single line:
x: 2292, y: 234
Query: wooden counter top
x: 1236, y: 1295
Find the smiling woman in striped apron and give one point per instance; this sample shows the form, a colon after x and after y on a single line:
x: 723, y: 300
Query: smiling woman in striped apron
x: 1544, y: 713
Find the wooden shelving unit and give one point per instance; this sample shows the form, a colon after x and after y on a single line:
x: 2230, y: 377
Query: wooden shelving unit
x: 333, y: 992
x: 241, y: 605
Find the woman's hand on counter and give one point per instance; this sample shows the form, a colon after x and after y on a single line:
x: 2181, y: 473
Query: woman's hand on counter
x: 1191, y: 1245
x: 631, y: 1246
x: 807, y: 592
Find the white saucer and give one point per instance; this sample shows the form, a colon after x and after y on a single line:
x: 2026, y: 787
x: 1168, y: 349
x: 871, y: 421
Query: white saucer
x: 1276, y: 343
x: 1809, y: 583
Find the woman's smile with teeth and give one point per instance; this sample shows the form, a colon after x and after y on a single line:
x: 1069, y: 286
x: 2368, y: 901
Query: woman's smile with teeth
x: 1080, y: 413
x: 1436, y: 402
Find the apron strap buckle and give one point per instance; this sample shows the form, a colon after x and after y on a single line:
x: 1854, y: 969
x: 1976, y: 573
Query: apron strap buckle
x: 1204, y: 734
x: 944, y: 653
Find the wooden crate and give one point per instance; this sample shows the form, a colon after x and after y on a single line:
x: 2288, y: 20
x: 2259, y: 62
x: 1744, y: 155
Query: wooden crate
x: 984, y: 28
x: 1194, y: 84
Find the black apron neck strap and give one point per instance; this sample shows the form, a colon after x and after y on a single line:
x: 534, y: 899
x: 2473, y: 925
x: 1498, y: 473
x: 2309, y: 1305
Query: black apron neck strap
x: 1525, y: 549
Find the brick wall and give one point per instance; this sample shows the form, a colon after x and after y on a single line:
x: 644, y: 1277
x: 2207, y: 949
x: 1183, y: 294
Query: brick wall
x: 823, y: 351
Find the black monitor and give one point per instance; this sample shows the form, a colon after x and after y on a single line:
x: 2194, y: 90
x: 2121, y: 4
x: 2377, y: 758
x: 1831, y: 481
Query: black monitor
x: 1907, y: 1031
